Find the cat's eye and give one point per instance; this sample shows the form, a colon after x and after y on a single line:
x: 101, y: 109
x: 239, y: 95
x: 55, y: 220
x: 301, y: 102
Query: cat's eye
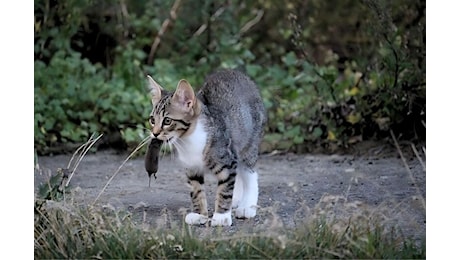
x: 167, y: 121
x: 152, y: 120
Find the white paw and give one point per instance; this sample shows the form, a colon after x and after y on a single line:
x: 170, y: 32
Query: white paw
x: 222, y: 219
x: 196, y: 219
x: 246, y: 212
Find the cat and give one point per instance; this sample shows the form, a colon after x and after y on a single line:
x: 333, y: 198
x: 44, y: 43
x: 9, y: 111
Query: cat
x: 218, y: 129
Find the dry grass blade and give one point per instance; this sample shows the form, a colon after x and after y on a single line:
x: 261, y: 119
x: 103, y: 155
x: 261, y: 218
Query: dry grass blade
x: 266, y: 256
x: 239, y: 237
x: 139, y: 146
x: 418, y: 156
x: 86, y: 146
x: 407, y: 168
x: 82, y: 147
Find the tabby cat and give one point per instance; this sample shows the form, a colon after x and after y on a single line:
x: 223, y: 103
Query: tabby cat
x: 218, y: 129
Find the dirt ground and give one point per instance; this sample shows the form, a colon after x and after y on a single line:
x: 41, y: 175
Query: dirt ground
x: 292, y: 187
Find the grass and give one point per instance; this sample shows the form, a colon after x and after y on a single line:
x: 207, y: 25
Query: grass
x: 67, y: 229
x: 335, y: 228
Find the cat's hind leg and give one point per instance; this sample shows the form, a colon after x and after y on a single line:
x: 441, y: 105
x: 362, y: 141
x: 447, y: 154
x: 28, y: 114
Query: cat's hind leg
x: 247, y: 206
x: 237, y: 191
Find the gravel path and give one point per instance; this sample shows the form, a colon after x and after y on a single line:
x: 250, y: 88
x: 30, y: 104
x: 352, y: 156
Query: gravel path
x: 292, y: 189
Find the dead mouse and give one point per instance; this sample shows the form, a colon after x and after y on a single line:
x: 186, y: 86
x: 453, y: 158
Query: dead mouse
x: 151, y: 158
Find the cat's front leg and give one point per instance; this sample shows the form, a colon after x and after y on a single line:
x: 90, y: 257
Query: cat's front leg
x: 223, y: 204
x: 193, y: 218
x: 222, y: 219
x: 199, y: 214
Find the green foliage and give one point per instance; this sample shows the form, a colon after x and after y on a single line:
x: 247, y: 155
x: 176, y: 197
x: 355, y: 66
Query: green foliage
x: 325, y: 82
x: 81, y: 99
x: 53, y: 189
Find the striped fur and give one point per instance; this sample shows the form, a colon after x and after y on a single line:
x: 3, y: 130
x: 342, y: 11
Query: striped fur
x: 219, y: 130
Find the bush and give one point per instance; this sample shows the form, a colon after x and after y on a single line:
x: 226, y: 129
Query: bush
x: 82, y: 99
x: 325, y: 82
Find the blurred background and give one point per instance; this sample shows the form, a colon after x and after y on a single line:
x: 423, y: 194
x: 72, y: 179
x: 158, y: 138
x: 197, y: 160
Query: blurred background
x: 333, y: 74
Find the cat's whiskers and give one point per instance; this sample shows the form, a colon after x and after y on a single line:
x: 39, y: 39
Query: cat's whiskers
x: 169, y: 143
x: 162, y: 151
x: 170, y: 148
x: 144, y: 141
x: 179, y: 145
x: 145, y: 128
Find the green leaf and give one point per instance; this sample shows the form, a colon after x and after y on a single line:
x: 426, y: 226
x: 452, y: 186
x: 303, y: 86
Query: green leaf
x: 298, y: 139
x: 317, y: 132
x: 289, y: 59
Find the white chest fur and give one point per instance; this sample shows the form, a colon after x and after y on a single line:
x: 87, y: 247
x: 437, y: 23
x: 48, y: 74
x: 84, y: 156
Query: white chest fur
x: 191, y: 148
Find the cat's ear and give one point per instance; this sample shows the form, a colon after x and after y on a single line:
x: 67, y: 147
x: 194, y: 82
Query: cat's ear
x: 155, y: 89
x: 184, y: 96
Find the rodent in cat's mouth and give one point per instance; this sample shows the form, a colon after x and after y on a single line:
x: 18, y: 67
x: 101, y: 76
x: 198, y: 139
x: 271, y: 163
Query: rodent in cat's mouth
x: 167, y: 139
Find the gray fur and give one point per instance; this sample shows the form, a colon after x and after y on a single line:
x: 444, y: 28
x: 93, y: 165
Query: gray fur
x: 231, y: 111
x: 236, y: 115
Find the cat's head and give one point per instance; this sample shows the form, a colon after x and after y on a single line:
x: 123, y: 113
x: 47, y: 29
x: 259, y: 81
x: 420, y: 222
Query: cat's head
x: 173, y: 114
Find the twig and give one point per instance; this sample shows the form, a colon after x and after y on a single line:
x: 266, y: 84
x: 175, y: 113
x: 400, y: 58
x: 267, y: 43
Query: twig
x: 418, y: 156
x: 300, y: 46
x: 407, y: 167
x: 252, y: 22
x: 204, y: 26
x: 124, y: 18
x: 172, y: 17
x: 124, y: 9
x: 139, y: 146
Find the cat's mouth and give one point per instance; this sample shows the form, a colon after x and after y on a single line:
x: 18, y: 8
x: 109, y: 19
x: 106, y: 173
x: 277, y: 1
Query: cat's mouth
x: 165, y: 139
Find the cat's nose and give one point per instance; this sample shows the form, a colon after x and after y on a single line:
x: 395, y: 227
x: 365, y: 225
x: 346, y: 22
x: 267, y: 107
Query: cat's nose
x: 156, y: 131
